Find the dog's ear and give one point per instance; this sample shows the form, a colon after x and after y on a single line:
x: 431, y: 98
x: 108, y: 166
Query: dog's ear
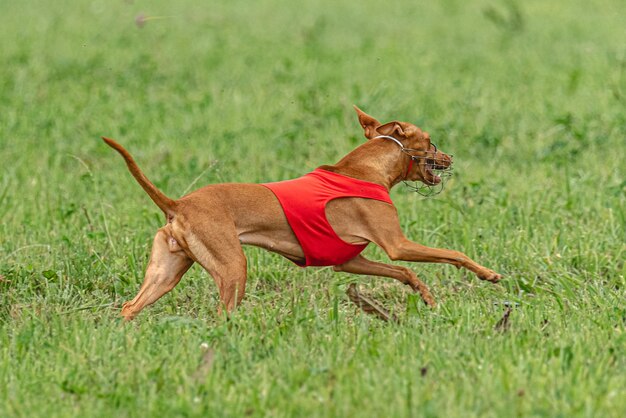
x: 368, y: 123
x: 391, y: 129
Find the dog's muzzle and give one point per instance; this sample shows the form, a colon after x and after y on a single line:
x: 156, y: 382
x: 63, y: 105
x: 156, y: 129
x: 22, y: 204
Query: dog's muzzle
x: 438, y: 167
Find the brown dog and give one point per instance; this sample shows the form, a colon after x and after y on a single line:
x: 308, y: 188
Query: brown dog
x: 209, y: 225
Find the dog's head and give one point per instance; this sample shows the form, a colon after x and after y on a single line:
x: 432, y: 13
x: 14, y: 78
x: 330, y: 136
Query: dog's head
x: 426, y: 157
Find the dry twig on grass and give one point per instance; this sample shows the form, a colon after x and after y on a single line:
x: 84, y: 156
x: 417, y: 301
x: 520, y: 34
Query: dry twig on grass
x: 503, y: 324
x: 368, y: 305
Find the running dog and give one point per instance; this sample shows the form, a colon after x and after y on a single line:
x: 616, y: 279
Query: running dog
x: 325, y: 218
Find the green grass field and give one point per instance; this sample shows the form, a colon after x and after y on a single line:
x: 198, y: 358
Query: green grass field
x: 530, y: 97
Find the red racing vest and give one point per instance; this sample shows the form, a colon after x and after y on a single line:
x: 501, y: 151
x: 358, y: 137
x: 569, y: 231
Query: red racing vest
x: 304, y: 202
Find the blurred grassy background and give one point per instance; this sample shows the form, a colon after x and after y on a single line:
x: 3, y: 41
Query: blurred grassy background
x: 528, y: 96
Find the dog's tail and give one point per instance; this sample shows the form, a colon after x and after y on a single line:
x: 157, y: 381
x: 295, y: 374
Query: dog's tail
x: 165, y: 203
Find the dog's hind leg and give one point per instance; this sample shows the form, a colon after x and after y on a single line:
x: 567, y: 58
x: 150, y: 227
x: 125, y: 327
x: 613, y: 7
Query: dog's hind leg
x: 168, y: 263
x: 224, y: 260
x: 361, y: 265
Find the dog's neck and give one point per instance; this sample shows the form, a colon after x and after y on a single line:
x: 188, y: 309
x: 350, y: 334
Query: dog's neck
x: 378, y: 161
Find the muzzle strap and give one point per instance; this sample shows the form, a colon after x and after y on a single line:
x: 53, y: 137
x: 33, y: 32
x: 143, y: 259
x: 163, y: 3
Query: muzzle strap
x: 408, y: 170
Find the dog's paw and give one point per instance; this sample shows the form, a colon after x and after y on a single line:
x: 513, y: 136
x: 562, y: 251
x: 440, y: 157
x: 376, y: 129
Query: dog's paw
x: 127, y: 313
x: 489, y: 275
x: 427, y: 297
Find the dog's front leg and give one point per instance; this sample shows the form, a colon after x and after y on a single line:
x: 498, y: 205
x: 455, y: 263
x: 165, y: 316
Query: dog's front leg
x: 379, y: 223
x: 361, y: 265
x: 406, y: 250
